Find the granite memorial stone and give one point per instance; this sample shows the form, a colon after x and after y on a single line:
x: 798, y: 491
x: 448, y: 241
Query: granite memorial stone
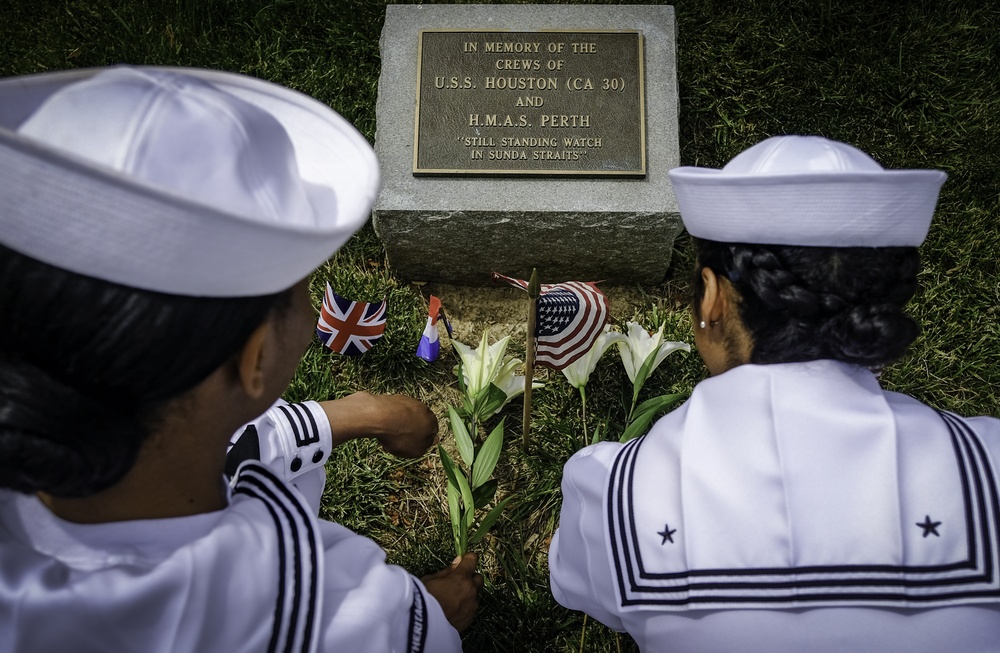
x: 513, y: 137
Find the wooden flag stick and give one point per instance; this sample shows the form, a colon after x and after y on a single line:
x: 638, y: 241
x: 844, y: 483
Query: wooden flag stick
x: 534, y: 290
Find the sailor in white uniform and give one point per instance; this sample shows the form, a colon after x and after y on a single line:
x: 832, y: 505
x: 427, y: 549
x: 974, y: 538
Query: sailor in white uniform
x: 158, y: 228
x: 792, y: 504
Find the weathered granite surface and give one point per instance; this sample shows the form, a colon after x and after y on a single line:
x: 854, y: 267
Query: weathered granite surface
x: 458, y: 230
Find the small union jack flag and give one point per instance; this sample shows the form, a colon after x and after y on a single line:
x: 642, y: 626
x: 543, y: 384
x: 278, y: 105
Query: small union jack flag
x: 569, y: 318
x: 349, y: 327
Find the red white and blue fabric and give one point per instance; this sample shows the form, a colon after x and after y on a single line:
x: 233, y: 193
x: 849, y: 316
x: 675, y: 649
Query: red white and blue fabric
x: 349, y: 327
x: 569, y: 318
x: 429, y: 347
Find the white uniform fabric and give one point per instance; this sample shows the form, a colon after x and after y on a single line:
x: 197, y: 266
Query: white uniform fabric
x: 793, y: 507
x: 264, y: 574
x: 293, y: 440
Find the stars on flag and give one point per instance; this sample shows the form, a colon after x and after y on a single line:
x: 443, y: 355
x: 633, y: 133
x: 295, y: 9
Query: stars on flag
x: 569, y: 318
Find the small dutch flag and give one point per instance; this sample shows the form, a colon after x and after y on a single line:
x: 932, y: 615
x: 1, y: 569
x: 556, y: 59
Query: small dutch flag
x: 430, y: 347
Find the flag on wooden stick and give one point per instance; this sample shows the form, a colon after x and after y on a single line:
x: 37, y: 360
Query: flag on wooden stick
x: 429, y: 347
x: 570, y: 317
x: 349, y: 327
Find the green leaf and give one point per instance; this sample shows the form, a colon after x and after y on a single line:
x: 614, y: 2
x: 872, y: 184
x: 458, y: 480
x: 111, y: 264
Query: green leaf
x: 657, y: 405
x: 597, y: 435
x: 462, y: 439
x: 488, y: 456
x: 488, y: 521
x: 461, y: 376
x: 450, y: 470
x: 456, y: 478
x: 490, y: 400
x: 459, y: 527
x: 466, y: 410
x: 457, y: 523
x: 645, y: 413
x: 470, y: 513
x: 642, y: 374
x: 483, y: 494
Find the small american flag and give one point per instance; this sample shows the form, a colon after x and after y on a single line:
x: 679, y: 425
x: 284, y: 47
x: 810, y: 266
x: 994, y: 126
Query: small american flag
x: 349, y: 327
x: 570, y: 317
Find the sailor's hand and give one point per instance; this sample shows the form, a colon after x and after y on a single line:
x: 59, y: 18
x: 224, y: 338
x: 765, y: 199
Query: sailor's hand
x: 457, y: 590
x: 407, y: 427
x: 403, y: 425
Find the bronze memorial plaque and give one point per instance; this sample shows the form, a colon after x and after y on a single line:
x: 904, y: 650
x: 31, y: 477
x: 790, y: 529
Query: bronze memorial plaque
x: 530, y: 103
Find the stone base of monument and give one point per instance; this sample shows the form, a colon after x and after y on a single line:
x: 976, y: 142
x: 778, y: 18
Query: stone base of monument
x: 459, y: 228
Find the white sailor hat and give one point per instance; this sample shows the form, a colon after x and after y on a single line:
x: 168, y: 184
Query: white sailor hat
x: 807, y: 190
x: 182, y: 181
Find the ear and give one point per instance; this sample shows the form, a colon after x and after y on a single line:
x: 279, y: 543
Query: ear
x: 714, y: 303
x: 250, y: 361
x: 719, y: 301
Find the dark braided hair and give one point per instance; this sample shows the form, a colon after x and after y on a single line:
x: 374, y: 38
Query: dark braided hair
x: 810, y: 303
x: 86, y: 367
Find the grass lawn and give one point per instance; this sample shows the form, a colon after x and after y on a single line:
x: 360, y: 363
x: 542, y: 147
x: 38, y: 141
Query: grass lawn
x: 916, y: 84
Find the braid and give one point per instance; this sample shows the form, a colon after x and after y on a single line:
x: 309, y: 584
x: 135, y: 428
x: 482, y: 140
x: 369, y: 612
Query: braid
x: 777, y: 287
x: 807, y: 303
x: 56, y: 439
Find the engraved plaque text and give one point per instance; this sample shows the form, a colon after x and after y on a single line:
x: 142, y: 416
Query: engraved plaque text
x: 530, y: 103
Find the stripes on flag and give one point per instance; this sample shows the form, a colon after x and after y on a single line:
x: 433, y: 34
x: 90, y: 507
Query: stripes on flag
x: 570, y: 317
x: 349, y: 327
x: 429, y: 347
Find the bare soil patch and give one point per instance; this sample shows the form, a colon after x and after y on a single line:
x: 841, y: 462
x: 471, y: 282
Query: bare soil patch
x: 503, y: 311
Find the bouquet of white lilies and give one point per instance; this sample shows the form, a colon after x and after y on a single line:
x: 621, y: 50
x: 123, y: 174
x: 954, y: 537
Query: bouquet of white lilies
x: 641, y: 353
x: 487, y: 381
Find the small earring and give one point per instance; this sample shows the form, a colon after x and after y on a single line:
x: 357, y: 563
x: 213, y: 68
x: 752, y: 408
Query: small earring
x: 701, y: 325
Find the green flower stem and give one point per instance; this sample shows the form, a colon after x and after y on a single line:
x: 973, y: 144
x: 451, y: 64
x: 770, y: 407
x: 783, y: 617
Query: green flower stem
x: 583, y: 403
x: 474, y: 433
x: 635, y: 396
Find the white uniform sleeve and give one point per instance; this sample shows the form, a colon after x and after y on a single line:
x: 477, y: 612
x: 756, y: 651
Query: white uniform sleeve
x: 293, y: 440
x: 368, y: 606
x: 579, y: 565
x: 372, y: 606
x: 334, y: 588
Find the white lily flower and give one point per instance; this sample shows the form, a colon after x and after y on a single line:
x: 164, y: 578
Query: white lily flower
x: 578, y: 372
x: 512, y: 384
x: 480, y: 366
x: 639, y: 346
x: 485, y: 365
